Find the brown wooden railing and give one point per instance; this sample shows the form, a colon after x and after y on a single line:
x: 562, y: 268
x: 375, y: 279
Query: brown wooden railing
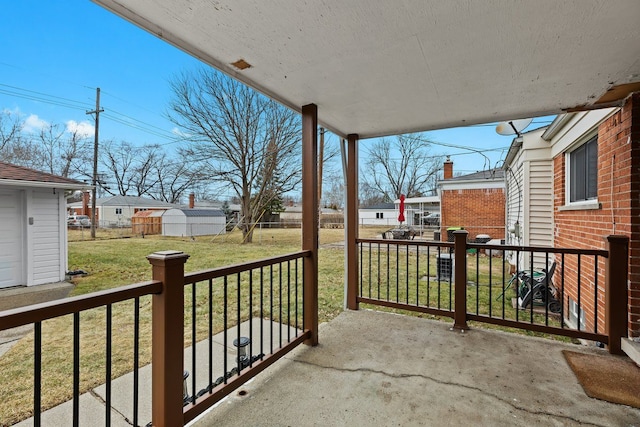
x: 578, y: 293
x: 261, y: 306
x: 37, y: 313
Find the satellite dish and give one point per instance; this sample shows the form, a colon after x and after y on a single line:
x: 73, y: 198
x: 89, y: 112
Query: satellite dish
x: 513, y: 127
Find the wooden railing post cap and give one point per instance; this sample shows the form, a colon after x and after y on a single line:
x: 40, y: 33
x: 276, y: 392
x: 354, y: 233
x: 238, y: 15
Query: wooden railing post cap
x: 617, y: 238
x: 465, y: 232
x: 162, y: 257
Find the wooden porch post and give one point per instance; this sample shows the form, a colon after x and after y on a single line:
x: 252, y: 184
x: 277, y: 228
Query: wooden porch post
x: 167, y: 338
x: 310, y: 218
x: 460, y: 255
x: 351, y: 222
x: 615, y: 293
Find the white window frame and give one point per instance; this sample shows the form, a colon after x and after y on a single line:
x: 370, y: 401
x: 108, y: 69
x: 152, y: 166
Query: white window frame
x: 591, y: 203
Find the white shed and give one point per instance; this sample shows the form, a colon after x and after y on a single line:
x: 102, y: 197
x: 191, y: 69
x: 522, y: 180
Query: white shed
x: 33, y: 226
x: 193, y: 222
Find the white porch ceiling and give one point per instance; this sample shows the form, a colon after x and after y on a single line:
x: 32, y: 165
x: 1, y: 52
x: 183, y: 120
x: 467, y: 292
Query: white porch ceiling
x: 386, y: 67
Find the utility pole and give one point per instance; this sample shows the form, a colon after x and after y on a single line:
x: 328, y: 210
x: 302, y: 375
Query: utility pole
x: 97, y: 112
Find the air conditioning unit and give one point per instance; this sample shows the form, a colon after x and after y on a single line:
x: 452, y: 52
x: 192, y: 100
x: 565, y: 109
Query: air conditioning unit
x: 445, y: 267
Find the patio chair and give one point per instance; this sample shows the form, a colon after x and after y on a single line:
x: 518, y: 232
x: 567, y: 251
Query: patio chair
x: 538, y: 289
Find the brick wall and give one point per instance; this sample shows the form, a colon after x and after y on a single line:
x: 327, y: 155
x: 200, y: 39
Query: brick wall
x: 619, y: 213
x: 479, y: 211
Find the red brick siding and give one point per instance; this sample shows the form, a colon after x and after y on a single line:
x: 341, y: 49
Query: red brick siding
x: 479, y: 211
x: 619, y: 197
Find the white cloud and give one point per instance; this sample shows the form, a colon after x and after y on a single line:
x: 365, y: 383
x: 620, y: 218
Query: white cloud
x: 33, y: 123
x: 83, y: 129
x: 179, y: 133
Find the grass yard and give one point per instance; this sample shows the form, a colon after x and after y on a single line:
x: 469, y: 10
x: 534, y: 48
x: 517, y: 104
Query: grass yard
x: 113, y: 262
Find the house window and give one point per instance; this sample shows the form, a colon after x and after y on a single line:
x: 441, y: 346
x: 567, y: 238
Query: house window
x: 118, y: 211
x: 583, y: 172
x: 379, y: 215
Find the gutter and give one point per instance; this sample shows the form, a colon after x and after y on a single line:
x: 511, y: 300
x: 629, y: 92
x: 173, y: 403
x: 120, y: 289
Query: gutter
x: 43, y: 184
x: 557, y: 124
x: 511, y: 154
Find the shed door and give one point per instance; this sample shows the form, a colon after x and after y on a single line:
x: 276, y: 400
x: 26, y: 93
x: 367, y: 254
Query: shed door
x: 11, y: 239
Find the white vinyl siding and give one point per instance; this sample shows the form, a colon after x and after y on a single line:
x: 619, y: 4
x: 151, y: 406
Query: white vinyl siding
x: 540, y: 231
x: 45, y: 232
x: 12, y: 239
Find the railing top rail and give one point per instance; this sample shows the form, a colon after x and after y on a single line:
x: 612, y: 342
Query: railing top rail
x: 213, y: 273
x: 573, y: 251
x: 543, y: 249
x: 48, y: 310
x: 407, y: 242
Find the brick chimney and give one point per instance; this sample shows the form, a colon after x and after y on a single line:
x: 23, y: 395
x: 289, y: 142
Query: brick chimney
x: 192, y: 201
x: 85, y: 203
x: 448, y: 168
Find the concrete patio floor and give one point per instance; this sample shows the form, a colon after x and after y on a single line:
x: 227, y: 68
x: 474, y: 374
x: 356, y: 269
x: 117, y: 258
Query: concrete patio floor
x: 379, y: 369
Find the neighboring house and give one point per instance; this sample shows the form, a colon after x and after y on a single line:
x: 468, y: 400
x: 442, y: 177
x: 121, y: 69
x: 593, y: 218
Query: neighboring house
x: 418, y: 207
x: 33, y: 226
x: 117, y: 211
x: 587, y: 156
x: 528, y: 170
x: 193, y: 222
x: 380, y: 214
x: 474, y: 202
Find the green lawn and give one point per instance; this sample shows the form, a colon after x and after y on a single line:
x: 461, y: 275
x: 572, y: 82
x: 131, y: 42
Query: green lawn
x: 113, y: 262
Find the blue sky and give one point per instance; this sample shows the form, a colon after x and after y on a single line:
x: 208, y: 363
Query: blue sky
x: 55, y: 53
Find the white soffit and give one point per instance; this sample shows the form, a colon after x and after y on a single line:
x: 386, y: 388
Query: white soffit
x: 386, y: 67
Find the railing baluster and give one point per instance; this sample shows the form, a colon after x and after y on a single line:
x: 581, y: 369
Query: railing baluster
x: 136, y: 358
x: 504, y: 297
x: 296, y: 287
x: 579, y: 291
x: 547, y: 291
x: 108, y: 351
x: 238, y: 321
x: 224, y: 321
x: 516, y: 284
x: 417, y: 276
x: 438, y: 271
x: 288, y: 301
x: 280, y: 303
x: 76, y: 369
x: 388, y: 272
x: 262, y: 313
x: 193, y: 342
x: 562, y: 293
x: 251, y: 318
x: 378, y: 278
x: 361, y: 268
x: 369, y: 269
x: 407, y: 271
x: 478, y: 283
x: 397, y: 273
x: 210, y: 337
x: 428, y: 276
x: 490, y: 286
x: 37, y: 373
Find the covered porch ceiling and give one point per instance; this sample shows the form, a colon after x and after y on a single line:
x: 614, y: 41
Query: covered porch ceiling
x: 378, y: 68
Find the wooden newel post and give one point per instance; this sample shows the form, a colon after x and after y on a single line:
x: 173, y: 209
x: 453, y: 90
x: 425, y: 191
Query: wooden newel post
x: 460, y: 280
x: 167, y: 338
x: 310, y: 218
x: 616, y: 299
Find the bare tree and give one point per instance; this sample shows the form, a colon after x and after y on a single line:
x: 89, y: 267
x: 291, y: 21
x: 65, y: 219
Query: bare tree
x: 54, y: 149
x: 10, y: 130
x: 401, y: 166
x: 240, y: 138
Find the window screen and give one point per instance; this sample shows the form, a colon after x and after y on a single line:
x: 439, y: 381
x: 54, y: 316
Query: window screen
x: 583, y: 179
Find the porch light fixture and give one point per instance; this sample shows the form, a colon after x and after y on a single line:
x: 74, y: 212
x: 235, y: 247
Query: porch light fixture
x: 241, y: 64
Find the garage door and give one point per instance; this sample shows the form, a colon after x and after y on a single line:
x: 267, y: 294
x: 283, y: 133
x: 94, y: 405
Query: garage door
x: 11, y: 243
